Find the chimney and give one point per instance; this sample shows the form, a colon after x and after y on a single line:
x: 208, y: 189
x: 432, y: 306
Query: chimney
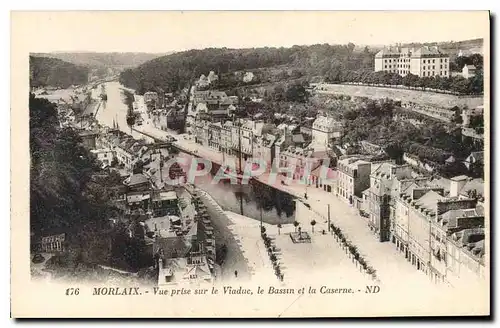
x: 457, y: 183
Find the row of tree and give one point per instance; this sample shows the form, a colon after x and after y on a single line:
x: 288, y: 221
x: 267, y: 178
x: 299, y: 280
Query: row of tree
x: 455, y: 84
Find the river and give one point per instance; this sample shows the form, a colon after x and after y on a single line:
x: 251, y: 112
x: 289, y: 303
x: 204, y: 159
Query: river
x: 114, y: 109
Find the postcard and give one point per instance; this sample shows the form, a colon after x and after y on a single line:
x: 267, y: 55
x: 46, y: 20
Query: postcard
x: 250, y: 164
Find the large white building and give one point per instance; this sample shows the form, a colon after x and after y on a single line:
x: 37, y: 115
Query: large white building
x: 325, y: 130
x: 424, y: 61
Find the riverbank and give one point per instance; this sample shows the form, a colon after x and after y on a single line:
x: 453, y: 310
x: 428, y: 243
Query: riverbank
x: 235, y: 259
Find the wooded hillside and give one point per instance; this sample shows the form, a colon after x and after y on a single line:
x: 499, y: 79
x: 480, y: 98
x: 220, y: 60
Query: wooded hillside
x: 55, y: 72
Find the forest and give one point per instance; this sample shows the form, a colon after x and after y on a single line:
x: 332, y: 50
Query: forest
x: 69, y: 193
x: 53, y: 72
x: 175, y: 71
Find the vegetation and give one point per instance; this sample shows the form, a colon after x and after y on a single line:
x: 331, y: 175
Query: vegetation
x: 460, y: 62
x: 353, y: 250
x: 101, y: 61
x: 455, y: 84
x: 313, y: 223
x: 334, y: 63
x: 70, y: 194
x: 57, y: 73
x: 375, y: 121
x: 175, y: 71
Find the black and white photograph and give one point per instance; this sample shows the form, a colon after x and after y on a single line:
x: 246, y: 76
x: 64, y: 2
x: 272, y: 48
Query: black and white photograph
x: 180, y: 160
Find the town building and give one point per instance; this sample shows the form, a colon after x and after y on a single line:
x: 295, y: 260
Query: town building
x: 465, y: 257
x: 468, y: 71
x: 209, y: 95
x: 184, y: 246
x: 464, y: 187
x: 151, y: 99
x: 264, y: 149
x: 468, y: 114
x: 53, y: 243
x: 424, y: 61
x: 138, y: 182
x: 386, y: 180
x: 89, y: 138
x: 448, y: 221
x: 424, y: 218
x: 105, y: 156
x: 326, y: 130
x: 474, y: 160
x: 353, y: 177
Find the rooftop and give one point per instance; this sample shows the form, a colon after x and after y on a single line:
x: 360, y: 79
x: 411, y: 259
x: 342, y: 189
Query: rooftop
x: 452, y: 217
x: 136, y: 179
x: 429, y: 200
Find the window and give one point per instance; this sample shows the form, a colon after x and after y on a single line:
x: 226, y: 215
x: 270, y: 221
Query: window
x: 433, y: 61
x: 441, y: 66
x: 433, y: 67
x: 424, y: 61
x: 385, y: 66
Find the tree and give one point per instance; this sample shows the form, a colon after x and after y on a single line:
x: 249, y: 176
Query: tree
x: 279, y: 228
x: 395, y: 152
x: 313, y: 223
x: 295, y: 224
x: 477, y: 123
x: 476, y: 83
x: 296, y: 93
x: 64, y: 193
x: 457, y: 115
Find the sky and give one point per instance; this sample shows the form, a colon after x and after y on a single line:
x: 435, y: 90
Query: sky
x: 159, y: 32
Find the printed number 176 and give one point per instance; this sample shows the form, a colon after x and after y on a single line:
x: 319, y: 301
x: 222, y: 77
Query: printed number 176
x: 72, y: 291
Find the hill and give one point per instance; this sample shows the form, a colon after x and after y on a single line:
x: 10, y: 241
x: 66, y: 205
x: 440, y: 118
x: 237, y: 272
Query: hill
x: 119, y: 60
x: 55, y: 72
x: 175, y: 71
x: 453, y: 47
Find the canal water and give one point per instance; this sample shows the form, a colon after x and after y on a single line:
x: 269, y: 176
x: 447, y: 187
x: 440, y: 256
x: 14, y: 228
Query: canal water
x: 252, y: 200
